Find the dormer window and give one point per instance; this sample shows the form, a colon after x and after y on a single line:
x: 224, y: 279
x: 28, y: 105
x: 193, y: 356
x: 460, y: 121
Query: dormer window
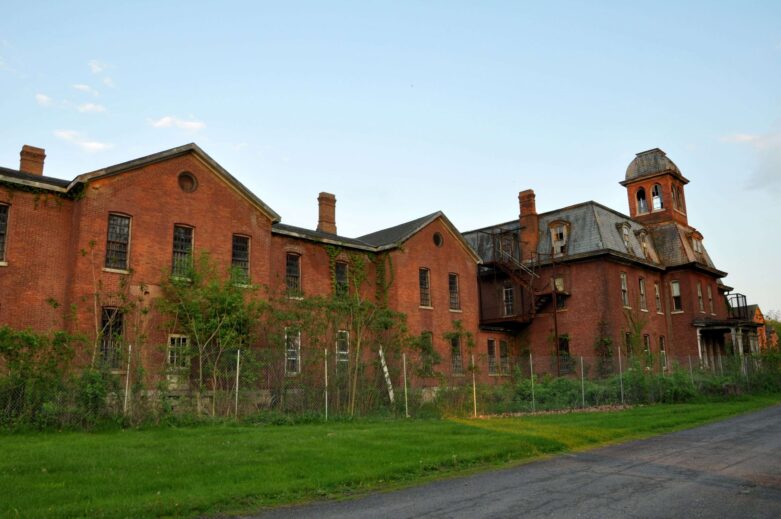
x: 625, y: 236
x: 625, y: 231
x: 642, y: 203
x: 656, y: 195
x: 645, y: 243
x: 678, y: 203
x: 559, y: 237
x: 697, y: 245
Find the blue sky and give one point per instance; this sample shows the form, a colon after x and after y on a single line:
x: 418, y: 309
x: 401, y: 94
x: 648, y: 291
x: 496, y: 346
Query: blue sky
x: 405, y: 108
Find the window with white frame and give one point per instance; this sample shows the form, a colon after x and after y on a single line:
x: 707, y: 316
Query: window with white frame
x: 663, y: 351
x: 647, y: 344
x: 642, y: 203
x: 643, y: 303
x: 675, y: 293
x: 625, y: 237
x: 117, y: 241
x: 624, y: 291
x: 4, y: 209
x: 559, y: 235
x: 658, y: 297
x: 710, y: 299
x: 697, y: 245
x: 656, y: 197
x: 508, y: 300
x: 292, y: 351
x: 178, y: 348
x: 342, y: 347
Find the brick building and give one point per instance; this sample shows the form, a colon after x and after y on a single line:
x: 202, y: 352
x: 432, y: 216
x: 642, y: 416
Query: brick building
x: 73, y: 251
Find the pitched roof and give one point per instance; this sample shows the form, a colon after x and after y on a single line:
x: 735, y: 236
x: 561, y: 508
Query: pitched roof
x: 20, y: 177
x: 175, y: 152
x: 398, y: 233
x: 319, y: 236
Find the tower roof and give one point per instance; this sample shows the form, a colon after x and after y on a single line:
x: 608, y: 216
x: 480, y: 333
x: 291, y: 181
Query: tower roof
x: 651, y: 163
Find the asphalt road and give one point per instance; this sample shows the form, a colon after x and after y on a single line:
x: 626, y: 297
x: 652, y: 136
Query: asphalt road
x: 727, y: 469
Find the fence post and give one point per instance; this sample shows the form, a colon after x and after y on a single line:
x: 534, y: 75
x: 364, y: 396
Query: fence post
x: 474, y: 388
x: 621, y: 375
x: 238, y: 370
x: 127, y: 379
x: 406, y: 403
x: 691, y: 371
x: 582, y: 382
x: 531, y: 372
x: 325, y: 371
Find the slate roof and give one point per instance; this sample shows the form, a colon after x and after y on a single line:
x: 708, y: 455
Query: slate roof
x: 596, y: 229
x: 398, y: 233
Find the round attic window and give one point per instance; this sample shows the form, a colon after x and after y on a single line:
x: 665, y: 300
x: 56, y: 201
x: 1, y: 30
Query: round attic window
x: 187, y: 182
x: 438, y: 240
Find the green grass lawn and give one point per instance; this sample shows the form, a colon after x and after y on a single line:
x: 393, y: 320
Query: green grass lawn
x: 232, y: 468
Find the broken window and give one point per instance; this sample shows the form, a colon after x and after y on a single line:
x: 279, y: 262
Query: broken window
x: 508, y: 300
x: 183, y: 251
x: 656, y: 197
x: 564, y: 356
x: 3, y: 230
x: 424, y: 282
x: 559, y: 235
x: 342, y: 347
x: 675, y: 291
x: 111, y: 337
x: 240, y: 258
x: 678, y: 199
x: 624, y: 291
x: 642, y: 203
x: 341, y: 284
x: 647, y: 344
x: 643, y: 303
x: 697, y: 245
x: 492, y: 359
x: 625, y: 237
x: 663, y: 351
x: 292, y: 351
x: 178, y: 346
x: 658, y: 297
x: 700, y: 304
x: 293, y: 274
x: 117, y: 241
x: 452, y: 285
x: 710, y: 299
x: 456, y: 361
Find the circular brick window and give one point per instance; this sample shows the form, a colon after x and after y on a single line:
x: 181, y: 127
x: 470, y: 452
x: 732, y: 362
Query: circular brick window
x: 438, y: 239
x: 187, y: 182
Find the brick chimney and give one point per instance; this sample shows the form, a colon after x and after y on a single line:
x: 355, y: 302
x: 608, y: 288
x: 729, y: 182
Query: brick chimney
x: 327, y: 213
x: 31, y: 160
x: 529, y: 224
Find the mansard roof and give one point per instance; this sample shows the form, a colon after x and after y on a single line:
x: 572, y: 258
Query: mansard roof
x: 651, y: 163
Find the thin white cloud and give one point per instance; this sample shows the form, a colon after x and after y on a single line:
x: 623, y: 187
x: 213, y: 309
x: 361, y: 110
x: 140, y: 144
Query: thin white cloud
x: 169, y: 121
x: 86, y: 89
x: 740, y: 137
x: 96, y: 66
x: 109, y: 82
x: 43, y: 100
x: 91, y: 108
x: 767, y: 153
x: 82, y: 141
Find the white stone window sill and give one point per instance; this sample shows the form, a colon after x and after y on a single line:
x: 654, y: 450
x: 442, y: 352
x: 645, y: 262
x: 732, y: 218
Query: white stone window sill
x: 296, y: 298
x: 644, y: 310
x: 677, y: 312
x: 3, y: 263
x: 115, y: 271
x: 627, y: 307
x: 456, y: 310
x: 426, y: 307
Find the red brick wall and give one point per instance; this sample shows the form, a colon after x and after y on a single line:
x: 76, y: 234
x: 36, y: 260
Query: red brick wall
x: 668, y: 212
x: 34, y: 281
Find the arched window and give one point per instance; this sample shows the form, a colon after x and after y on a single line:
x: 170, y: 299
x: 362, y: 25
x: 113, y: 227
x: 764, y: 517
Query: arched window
x: 656, y: 194
x: 642, y: 203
